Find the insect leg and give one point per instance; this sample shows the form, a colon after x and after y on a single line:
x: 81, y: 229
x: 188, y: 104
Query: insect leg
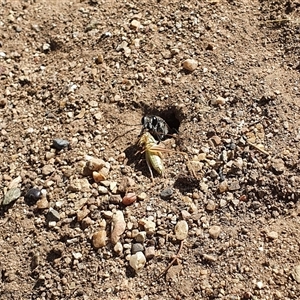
x: 149, y: 166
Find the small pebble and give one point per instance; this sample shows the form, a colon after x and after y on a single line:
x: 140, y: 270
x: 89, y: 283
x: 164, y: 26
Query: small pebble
x: 223, y: 186
x: 219, y: 101
x: 259, y: 285
x: 77, y: 255
x: 185, y: 214
x: 166, y: 193
x: 98, y: 176
x: 12, y: 195
x: 137, y: 261
x: 60, y: 144
x: 181, y: 230
x: 46, y: 47
x: 86, y: 222
x: 82, y: 213
x: 277, y: 295
x: 137, y: 247
x: 234, y: 186
x: 149, y: 226
x: 216, y: 140
x: 239, y: 163
x: 35, y: 27
x: 296, y: 273
x: 112, y: 185
x: 190, y: 203
x: 134, y: 232
x: 272, y: 235
x: 59, y: 204
x: 278, y: 166
x: 49, y: 155
x: 99, y: 60
x: 190, y: 65
x: 211, y: 205
x: 141, y: 237
x: 3, y: 103
x: 33, y: 195
x: 47, y: 169
x: 115, y: 199
x: 102, y: 224
x: 135, y: 24
x: 93, y: 164
x: 107, y: 214
x: 235, y: 202
x: 42, y: 203
x: 209, y: 257
x: 118, y: 226
x: 99, y: 239
x: 150, y: 252
x: 129, y: 199
x: 223, y: 203
x: 53, y: 215
x: 203, y: 187
x: 161, y: 232
x: 214, y: 231
x: 118, y: 248
x: 201, y: 156
x: 52, y: 224
x: 102, y: 175
x: 35, y: 261
x: 79, y: 185
x: 102, y: 190
x: 142, y: 196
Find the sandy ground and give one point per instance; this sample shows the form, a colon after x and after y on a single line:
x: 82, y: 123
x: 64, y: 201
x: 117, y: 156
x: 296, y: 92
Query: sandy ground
x: 228, y: 202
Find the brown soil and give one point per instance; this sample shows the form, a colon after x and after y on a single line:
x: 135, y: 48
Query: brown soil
x: 87, y: 71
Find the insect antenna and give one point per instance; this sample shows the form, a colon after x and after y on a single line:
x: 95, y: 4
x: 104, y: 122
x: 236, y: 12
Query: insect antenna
x: 122, y: 134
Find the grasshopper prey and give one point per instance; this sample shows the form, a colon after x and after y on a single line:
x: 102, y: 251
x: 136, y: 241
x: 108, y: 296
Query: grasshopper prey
x: 153, y: 153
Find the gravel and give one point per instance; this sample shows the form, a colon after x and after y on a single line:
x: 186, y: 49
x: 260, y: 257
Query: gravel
x: 87, y: 73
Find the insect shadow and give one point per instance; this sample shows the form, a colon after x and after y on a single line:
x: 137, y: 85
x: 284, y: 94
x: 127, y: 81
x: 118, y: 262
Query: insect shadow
x: 136, y: 159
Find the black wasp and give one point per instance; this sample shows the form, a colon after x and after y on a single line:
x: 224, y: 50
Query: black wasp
x: 157, y: 126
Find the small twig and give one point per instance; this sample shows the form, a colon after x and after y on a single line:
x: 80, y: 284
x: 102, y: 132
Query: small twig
x: 172, y: 262
x: 258, y: 148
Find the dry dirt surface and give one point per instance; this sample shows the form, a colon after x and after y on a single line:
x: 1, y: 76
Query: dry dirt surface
x: 81, y: 218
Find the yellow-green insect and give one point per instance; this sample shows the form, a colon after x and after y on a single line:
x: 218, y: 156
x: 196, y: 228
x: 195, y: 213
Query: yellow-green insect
x: 152, y: 152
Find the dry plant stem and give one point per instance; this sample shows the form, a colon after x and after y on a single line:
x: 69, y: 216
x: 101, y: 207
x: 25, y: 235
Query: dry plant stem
x: 257, y: 148
x: 172, y: 262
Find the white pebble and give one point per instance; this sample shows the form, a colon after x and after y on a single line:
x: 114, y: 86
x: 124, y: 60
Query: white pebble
x: 137, y: 261
x: 272, y: 235
x: 135, y: 24
x: 77, y: 255
x: 118, y: 248
x: 190, y: 65
x: 214, y: 231
x: 149, y: 226
x: 259, y: 285
x: 181, y: 230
